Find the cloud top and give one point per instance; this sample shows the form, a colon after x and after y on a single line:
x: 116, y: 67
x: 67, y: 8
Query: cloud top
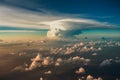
x: 72, y: 26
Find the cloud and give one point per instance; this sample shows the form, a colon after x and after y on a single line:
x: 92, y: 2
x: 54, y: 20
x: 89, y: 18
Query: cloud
x: 109, y: 62
x: 57, y: 64
x: 89, y: 77
x: 81, y: 70
x: 59, y: 25
x: 72, y: 26
x: 41, y: 78
x: 105, y: 62
x: 94, y: 54
x: 47, y: 61
x: 23, y: 18
x: 48, y: 72
x: 16, y: 31
x: 35, y: 62
x: 77, y: 47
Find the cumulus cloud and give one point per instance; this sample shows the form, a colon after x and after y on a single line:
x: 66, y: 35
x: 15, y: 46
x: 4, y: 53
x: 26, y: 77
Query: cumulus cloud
x: 35, y: 62
x: 37, y: 58
x: 41, y: 78
x: 57, y: 64
x: 81, y: 70
x: 48, y: 72
x: 47, y: 61
x: 89, y: 77
x: 77, y: 47
x: 94, y: 54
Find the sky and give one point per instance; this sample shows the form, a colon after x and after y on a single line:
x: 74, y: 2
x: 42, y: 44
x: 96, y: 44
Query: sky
x: 60, y: 17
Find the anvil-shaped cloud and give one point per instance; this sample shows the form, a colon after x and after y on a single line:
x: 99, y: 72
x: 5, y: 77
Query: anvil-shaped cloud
x: 72, y: 26
x: 59, y: 25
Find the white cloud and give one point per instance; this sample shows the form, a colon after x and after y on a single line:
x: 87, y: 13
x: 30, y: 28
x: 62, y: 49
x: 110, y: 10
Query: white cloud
x: 35, y: 62
x: 94, y: 54
x: 59, y: 60
x: 72, y: 26
x: 16, y: 31
x: 41, y: 78
x: 89, y: 77
x: 99, y: 78
x: 47, y: 61
x: 38, y: 57
x: 33, y: 65
x: 48, y: 72
x: 57, y: 64
x: 81, y: 70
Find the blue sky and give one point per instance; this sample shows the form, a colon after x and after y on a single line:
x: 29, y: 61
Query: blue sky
x: 61, y: 18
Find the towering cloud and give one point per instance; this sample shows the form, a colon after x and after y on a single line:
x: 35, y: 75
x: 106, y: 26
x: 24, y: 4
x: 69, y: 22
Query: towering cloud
x: 59, y: 25
x: 72, y: 26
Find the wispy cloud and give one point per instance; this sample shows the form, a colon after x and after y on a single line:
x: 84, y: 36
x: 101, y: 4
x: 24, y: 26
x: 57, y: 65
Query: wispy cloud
x: 16, y: 31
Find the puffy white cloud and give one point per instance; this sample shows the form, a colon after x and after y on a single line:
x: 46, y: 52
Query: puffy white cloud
x: 94, y: 54
x: 89, y: 77
x: 79, y: 79
x: 35, y: 62
x: 84, y: 49
x: 81, y: 70
x: 76, y: 58
x: 99, y: 48
x: 33, y: 65
x: 99, y: 78
x: 57, y: 64
x: 59, y: 60
x: 46, y: 61
x: 41, y: 78
x: 37, y: 58
x: 48, y: 72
